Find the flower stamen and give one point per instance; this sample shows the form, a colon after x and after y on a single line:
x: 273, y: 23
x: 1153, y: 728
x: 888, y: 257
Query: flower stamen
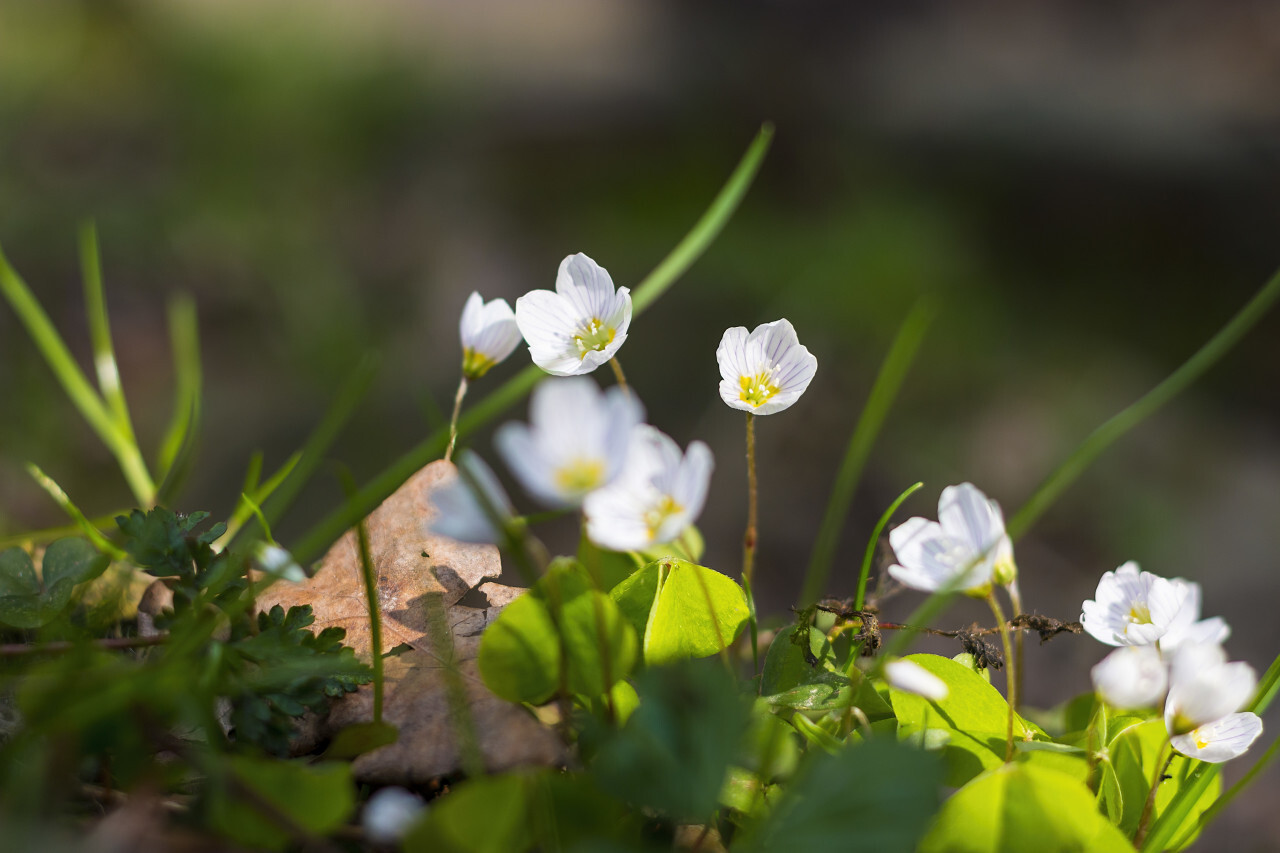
x: 655, y: 516
x: 757, y: 389
x: 594, y: 335
x: 580, y: 475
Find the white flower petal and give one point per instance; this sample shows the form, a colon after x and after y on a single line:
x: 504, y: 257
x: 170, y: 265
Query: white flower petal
x: 1204, y: 688
x: 580, y: 325
x: 1131, y: 677
x: 765, y: 371
x: 389, y: 814
x: 586, y: 285
x: 463, y: 515
x: 1220, y: 740
x: 965, y: 513
x: 910, y: 677
x: 1134, y: 608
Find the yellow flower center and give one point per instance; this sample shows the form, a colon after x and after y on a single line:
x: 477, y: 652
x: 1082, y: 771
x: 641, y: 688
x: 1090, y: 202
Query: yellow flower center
x: 580, y: 475
x: 756, y: 390
x: 475, y: 364
x: 1140, y: 614
x: 594, y: 335
x: 666, y: 508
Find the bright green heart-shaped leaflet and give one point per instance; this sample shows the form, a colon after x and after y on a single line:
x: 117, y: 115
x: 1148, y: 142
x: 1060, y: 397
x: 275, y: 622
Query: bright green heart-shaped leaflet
x: 27, y: 601
x: 520, y: 653
x: 688, y: 611
x: 973, y: 712
x: 1018, y: 807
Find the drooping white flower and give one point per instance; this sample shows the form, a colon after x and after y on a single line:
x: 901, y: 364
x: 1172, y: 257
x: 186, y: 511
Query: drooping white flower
x: 1221, y: 740
x: 911, y: 677
x: 489, y: 334
x: 1204, y: 687
x: 389, y: 814
x: 579, y: 326
x: 275, y: 560
x: 765, y: 371
x: 576, y: 441
x: 1135, y: 608
x: 659, y: 493
x: 960, y: 551
x: 465, y: 515
x: 1131, y: 677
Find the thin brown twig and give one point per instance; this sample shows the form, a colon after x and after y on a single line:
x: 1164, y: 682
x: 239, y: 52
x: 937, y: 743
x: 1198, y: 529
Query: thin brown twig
x: 11, y: 650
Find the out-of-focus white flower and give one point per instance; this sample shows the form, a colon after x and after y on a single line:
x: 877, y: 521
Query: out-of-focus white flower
x: 489, y: 334
x: 1221, y: 740
x: 576, y: 441
x: 1204, y: 687
x: 1133, y: 608
x: 580, y: 325
x: 659, y: 493
x: 389, y: 814
x: 765, y: 371
x: 961, y: 550
x: 911, y: 677
x: 466, y: 516
x: 275, y: 560
x: 1131, y: 677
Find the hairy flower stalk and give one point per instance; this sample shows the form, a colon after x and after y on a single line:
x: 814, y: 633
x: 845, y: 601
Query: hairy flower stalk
x: 1010, y: 672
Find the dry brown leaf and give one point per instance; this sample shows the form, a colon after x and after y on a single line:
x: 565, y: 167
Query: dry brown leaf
x: 417, y: 703
x: 398, y: 540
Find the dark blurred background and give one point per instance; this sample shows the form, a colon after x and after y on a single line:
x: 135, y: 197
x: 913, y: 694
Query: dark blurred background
x: 1090, y: 190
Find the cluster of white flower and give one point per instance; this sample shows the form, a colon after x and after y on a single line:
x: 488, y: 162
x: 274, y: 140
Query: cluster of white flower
x: 591, y: 449
x: 1168, y: 652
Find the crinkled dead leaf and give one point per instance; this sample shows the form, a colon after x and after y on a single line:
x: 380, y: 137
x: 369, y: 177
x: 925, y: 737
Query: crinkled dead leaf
x: 417, y: 702
x: 410, y: 563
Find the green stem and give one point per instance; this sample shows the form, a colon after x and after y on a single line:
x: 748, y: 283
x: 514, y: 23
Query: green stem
x: 874, y: 412
x: 453, y: 421
x: 1010, y: 672
x: 749, y: 539
x: 1015, y: 601
x: 1148, y: 808
x: 1110, y: 431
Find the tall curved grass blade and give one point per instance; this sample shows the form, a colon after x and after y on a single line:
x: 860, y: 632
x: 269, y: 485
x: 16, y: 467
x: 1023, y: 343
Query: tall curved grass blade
x: 83, y: 524
x: 48, y: 534
x: 104, y: 354
x: 73, y: 381
x: 184, y: 424
x: 893, y: 371
x: 300, y: 467
x: 688, y: 250
x: 867, y: 556
x: 1147, y: 405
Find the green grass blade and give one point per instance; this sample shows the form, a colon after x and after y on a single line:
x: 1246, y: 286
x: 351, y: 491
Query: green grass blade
x: 83, y: 524
x: 1147, y: 405
x: 48, y: 534
x: 184, y: 423
x: 861, y: 597
x: 892, y: 373
x: 704, y: 231
x: 284, y: 489
x: 707, y: 228
x: 104, y: 354
x: 73, y: 381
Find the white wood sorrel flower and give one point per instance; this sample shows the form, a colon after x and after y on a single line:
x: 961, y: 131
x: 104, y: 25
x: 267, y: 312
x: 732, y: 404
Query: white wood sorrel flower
x: 489, y: 334
x: 659, y: 493
x: 1221, y: 740
x: 580, y: 325
x: 765, y: 371
x: 962, y: 550
x: 911, y: 677
x: 1204, y: 688
x: 1135, y: 608
x: 1131, y: 677
x: 576, y: 441
x: 465, y: 514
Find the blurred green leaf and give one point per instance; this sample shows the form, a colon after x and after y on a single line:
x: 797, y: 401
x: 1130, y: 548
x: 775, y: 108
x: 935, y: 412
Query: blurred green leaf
x: 272, y: 804
x: 1134, y: 754
x: 29, y: 602
x: 877, y: 796
x: 1022, y: 807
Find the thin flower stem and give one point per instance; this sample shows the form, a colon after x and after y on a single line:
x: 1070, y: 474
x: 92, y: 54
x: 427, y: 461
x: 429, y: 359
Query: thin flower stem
x: 1010, y: 675
x: 619, y: 375
x: 749, y: 538
x: 453, y: 421
x: 1015, y: 601
x: 1148, y: 809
